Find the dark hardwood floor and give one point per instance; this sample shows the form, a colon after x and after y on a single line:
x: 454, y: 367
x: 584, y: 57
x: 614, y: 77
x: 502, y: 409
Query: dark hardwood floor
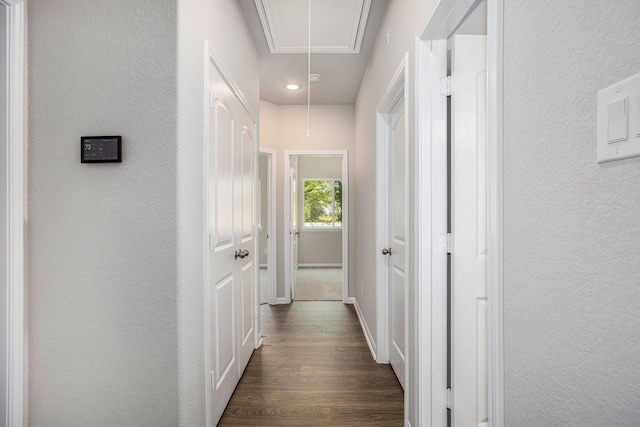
x: 314, y: 369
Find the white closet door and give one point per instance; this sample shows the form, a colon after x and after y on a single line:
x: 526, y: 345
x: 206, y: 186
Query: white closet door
x: 469, y: 339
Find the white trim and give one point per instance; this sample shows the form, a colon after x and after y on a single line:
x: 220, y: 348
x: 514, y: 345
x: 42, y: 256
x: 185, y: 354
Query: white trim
x: 234, y: 88
x: 272, y: 265
x: 368, y: 336
x: 16, y: 130
x: 445, y: 17
x: 281, y: 300
x: 205, y: 240
x: 351, y: 300
x: 344, y: 154
x: 320, y: 265
x: 495, y: 268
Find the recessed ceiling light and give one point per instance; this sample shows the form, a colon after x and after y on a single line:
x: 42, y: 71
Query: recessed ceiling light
x: 315, y: 78
x: 292, y: 86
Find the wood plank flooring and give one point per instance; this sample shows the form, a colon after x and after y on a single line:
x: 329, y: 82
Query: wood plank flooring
x: 314, y: 369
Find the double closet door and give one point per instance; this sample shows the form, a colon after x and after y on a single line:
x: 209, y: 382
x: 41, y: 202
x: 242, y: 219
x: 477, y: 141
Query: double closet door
x: 231, y: 259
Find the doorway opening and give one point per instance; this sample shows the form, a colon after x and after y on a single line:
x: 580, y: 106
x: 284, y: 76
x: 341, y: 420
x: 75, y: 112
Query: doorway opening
x: 316, y: 226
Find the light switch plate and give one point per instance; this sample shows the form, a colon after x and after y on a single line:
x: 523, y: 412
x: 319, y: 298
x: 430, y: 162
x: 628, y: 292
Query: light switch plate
x: 619, y: 120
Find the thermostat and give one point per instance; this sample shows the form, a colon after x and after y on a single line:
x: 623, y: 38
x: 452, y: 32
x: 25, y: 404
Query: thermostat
x: 100, y: 149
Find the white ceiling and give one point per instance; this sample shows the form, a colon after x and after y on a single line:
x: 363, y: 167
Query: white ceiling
x: 335, y: 25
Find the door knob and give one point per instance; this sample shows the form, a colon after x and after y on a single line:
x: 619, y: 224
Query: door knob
x: 241, y: 253
x: 386, y: 251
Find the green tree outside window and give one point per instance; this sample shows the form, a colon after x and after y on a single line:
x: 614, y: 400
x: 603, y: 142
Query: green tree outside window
x: 323, y: 203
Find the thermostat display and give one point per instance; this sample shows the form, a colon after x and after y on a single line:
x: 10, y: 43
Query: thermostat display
x: 100, y: 149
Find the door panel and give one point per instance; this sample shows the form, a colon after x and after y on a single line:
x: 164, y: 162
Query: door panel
x: 469, y: 229
x: 224, y: 358
x: 397, y: 238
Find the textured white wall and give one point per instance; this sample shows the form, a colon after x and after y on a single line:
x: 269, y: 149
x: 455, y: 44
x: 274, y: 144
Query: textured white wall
x: 102, y: 237
x: 318, y: 246
x: 572, y: 227
x: 219, y: 22
x: 404, y: 20
x: 284, y: 127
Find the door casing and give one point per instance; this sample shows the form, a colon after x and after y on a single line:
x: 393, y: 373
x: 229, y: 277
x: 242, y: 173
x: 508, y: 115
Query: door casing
x: 12, y: 282
x: 345, y: 217
x: 430, y: 322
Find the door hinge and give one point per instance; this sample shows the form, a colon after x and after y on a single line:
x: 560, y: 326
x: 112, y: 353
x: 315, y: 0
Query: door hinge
x: 445, y: 86
x: 210, y: 99
x: 212, y: 379
x: 449, y: 243
x: 448, y: 398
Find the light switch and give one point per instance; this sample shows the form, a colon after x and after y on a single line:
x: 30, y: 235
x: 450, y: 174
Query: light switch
x: 617, y: 121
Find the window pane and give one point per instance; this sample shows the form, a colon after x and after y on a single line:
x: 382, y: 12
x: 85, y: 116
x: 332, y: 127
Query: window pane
x: 322, y: 208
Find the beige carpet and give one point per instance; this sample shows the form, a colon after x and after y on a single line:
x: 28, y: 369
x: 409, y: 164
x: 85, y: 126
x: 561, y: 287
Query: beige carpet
x: 319, y: 284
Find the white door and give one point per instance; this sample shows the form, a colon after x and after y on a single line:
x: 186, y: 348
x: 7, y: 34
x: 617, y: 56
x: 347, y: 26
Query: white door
x: 397, y: 238
x: 469, y: 339
x: 231, y: 274
x: 245, y: 220
x: 295, y: 228
x: 223, y: 243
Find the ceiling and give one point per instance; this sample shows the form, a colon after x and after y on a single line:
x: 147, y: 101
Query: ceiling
x: 342, y: 35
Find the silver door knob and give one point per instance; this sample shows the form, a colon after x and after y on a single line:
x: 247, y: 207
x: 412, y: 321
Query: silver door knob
x: 386, y: 251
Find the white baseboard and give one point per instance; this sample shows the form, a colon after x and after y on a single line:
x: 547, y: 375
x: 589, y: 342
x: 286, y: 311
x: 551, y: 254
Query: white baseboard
x: 367, y: 333
x: 350, y: 300
x: 320, y: 265
x: 281, y: 300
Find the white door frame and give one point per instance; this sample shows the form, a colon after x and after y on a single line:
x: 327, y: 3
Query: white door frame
x: 12, y: 283
x: 271, y: 209
x: 431, y: 194
x: 343, y: 154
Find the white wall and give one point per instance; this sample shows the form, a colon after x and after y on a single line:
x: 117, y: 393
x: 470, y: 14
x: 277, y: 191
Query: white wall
x: 102, y: 319
x: 404, y: 20
x: 284, y: 127
x: 115, y: 262
x: 219, y: 22
x: 572, y: 226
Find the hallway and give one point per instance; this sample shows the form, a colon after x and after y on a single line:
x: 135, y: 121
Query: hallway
x: 314, y: 368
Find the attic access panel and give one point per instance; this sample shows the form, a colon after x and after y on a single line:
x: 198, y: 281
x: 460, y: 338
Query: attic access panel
x: 337, y: 26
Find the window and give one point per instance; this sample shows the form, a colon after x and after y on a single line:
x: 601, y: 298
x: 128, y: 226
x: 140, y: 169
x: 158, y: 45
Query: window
x: 322, y: 203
